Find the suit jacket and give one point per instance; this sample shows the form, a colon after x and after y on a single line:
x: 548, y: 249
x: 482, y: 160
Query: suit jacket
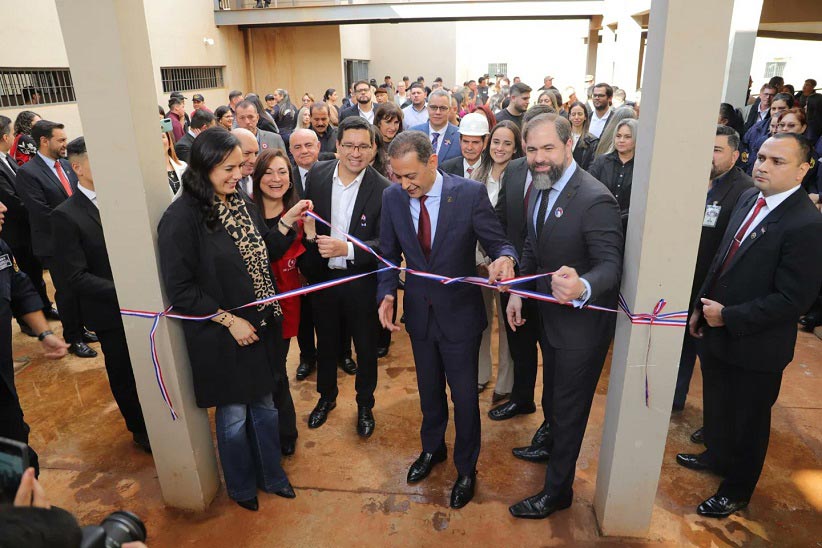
x: 583, y: 231
x: 510, y: 207
x: 726, y: 195
x: 465, y: 217
x: 81, y: 256
x: 772, y: 279
x: 454, y: 166
x: 450, y: 147
x: 753, y: 115
x: 268, y: 139
x: 41, y: 192
x: 585, y: 150
x: 16, y: 228
x: 364, y: 223
x: 353, y: 110
x: 183, y: 147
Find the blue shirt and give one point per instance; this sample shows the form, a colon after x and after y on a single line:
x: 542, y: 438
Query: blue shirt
x: 432, y: 204
x: 50, y: 164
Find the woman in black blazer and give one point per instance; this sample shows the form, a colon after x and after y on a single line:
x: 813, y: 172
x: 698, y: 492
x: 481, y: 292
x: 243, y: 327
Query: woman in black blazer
x: 215, y: 255
x: 585, y: 143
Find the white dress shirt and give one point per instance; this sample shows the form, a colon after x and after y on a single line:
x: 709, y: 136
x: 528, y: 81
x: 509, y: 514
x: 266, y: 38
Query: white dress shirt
x: 90, y: 194
x: 367, y: 115
x: 473, y: 167
x: 598, y: 124
x: 432, y: 205
x: 303, y: 174
x: 342, y: 208
x: 771, y: 203
x: 432, y: 131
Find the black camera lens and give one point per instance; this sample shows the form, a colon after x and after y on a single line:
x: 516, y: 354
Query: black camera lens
x: 122, y: 527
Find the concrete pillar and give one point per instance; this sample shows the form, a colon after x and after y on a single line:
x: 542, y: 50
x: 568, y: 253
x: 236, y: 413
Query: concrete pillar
x: 108, y: 50
x: 628, y: 41
x: 662, y: 239
x: 593, y: 45
x: 606, y: 54
x: 744, y: 26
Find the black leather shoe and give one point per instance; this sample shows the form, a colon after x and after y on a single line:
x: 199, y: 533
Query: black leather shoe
x: 496, y: 397
x: 425, y: 463
x: 286, y: 492
x: 25, y: 329
x: 695, y: 462
x: 52, y: 314
x: 365, y: 421
x: 320, y: 413
x: 141, y: 440
x: 463, y: 490
x: 541, y: 506
x: 82, y: 350
x: 810, y: 321
x: 348, y: 365
x: 382, y: 352
x: 287, y: 448
x: 510, y: 410
x: 532, y: 453
x: 481, y: 387
x: 698, y: 436
x: 543, y: 435
x: 305, y: 369
x: 250, y: 504
x: 720, y: 507
x: 89, y: 336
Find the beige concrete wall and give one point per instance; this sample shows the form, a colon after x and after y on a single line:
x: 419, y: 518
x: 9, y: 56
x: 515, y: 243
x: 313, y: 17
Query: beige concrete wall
x: 299, y: 59
x: 414, y: 49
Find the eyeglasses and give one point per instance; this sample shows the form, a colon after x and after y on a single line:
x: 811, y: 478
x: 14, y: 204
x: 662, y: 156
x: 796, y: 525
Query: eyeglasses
x: 349, y: 148
x: 436, y: 108
x: 362, y: 90
x: 600, y: 95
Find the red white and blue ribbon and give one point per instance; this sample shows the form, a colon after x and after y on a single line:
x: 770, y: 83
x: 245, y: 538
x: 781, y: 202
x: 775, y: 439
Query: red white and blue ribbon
x: 674, y: 319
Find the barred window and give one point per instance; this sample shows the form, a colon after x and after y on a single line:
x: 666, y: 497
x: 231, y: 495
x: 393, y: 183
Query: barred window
x: 24, y: 86
x: 775, y: 68
x: 497, y: 69
x: 191, y: 78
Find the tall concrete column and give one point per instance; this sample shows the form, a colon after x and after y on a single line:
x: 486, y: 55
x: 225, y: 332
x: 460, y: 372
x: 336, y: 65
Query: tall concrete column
x: 662, y: 239
x: 108, y: 50
x: 593, y: 45
x: 744, y: 26
x: 606, y: 54
x: 628, y: 42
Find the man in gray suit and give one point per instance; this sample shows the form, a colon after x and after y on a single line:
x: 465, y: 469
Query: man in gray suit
x: 246, y: 116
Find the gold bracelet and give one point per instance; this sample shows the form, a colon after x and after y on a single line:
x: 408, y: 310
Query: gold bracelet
x: 231, y: 320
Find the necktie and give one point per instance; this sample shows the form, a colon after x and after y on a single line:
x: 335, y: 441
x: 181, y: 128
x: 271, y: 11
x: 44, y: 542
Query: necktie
x: 760, y: 203
x: 435, y: 138
x: 424, y: 229
x: 469, y: 171
x: 62, y: 176
x: 543, y: 209
x: 305, y: 184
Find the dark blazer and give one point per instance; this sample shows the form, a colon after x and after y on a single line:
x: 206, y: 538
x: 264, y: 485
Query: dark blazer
x: 81, y: 256
x: 353, y: 110
x: 510, y: 207
x: 16, y: 228
x: 202, y: 271
x: 609, y: 170
x: 41, y: 192
x: 585, y: 149
x: 465, y: 217
x: 726, y: 193
x: 753, y: 115
x: 587, y: 236
x: 772, y: 280
x: 183, y: 146
x: 454, y: 166
x: 450, y: 147
x: 364, y: 223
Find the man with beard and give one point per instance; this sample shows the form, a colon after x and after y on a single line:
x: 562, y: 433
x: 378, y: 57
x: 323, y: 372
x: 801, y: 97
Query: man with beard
x: 520, y: 97
x: 575, y: 232
x: 321, y: 124
x: 726, y: 184
x: 364, y: 107
x: 602, y: 97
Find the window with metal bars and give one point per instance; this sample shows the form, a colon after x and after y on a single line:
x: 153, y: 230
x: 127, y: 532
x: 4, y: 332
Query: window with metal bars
x: 497, y: 69
x: 775, y: 68
x: 30, y: 86
x: 191, y: 78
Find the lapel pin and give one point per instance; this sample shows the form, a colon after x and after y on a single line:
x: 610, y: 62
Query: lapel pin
x: 450, y: 199
x: 753, y: 235
x: 558, y: 212
x: 362, y: 220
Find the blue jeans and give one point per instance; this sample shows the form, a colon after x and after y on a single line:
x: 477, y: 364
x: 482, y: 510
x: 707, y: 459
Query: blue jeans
x: 248, y: 441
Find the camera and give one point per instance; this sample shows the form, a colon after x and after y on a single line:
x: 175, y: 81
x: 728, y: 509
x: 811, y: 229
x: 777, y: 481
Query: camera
x: 118, y: 528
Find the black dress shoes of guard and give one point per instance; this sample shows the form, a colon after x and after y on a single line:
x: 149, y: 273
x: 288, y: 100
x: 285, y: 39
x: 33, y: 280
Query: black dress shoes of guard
x: 82, y: 350
x: 425, y: 463
x: 720, y: 507
x: 699, y: 462
x: 141, y: 440
x: 365, y: 421
x: 52, y: 314
x: 698, y: 436
x: 305, y: 369
x: 250, y: 504
x: 541, y: 505
x: 287, y: 448
x: 382, y: 351
x: 320, y: 413
x: 286, y: 492
x: 510, y: 410
x: 348, y: 365
x: 89, y: 336
x: 540, y: 448
x: 463, y: 490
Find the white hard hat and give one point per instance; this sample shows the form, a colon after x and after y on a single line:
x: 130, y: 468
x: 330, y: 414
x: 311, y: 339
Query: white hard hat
x: 474, y: 124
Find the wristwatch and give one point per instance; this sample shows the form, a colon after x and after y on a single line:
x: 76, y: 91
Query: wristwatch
x: 44, y: 334
x: 513, y: 260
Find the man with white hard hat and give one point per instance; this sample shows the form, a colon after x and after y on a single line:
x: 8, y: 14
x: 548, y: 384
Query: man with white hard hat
x: 473, y: 137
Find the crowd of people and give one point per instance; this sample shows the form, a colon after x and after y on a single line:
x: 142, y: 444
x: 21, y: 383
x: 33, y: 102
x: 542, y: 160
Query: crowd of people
x: 475, y: 180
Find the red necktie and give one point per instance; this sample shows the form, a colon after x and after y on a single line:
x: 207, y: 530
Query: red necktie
x: 424, y: 229
x: 470, y: 170
x: 62, y: 176
x: 760, y: 203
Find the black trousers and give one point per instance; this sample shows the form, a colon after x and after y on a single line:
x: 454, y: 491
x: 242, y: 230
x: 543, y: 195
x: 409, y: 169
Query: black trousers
x: 282, y: 392
x: 12, y: 425
x: 121, y: 377
x: 523, y: 345
x: 33, y: 268
x: 355, y: 304
x: 737, y: 410
x: 687, y: 360
x: 438, y: 361
x: 67, y: 304
x: 570, y: 379
x: 305, y: 334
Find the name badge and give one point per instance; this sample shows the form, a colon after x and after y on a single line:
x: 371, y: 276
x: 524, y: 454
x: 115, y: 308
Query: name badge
x: 5, y: 262
x: 711, y: 215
